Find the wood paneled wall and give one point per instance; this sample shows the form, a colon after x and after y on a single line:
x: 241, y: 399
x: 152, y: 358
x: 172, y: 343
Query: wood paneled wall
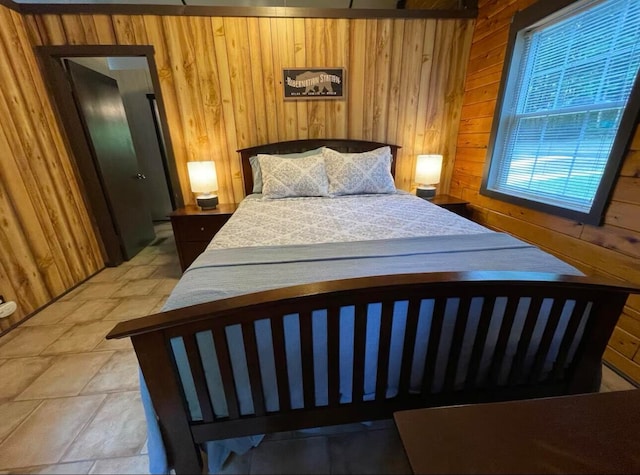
x: 221, y: 81
x: 47, y: 243
x: 612, y: 250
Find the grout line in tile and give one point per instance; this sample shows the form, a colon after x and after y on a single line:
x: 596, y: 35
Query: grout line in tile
x: 99, y: 369
x: 82, y: 429
x: 23, y: 421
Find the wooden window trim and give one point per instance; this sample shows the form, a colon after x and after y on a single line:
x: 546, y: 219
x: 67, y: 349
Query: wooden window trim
x: 524, y: 19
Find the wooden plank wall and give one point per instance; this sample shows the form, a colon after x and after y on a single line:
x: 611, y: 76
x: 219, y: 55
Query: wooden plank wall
x: 47, y: 243
x: 612, y: 250
x: 221, y: 81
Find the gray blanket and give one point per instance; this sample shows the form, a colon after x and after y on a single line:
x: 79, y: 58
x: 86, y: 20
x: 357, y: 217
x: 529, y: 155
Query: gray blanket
x: 223, y: 273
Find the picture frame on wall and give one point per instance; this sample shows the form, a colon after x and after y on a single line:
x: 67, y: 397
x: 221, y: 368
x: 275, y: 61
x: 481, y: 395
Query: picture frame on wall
x: 314, y: 83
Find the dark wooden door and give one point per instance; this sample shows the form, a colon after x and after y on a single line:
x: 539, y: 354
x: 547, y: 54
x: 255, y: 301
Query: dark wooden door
x: 106, y: 125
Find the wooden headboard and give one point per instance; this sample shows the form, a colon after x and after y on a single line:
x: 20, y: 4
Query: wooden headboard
x: 297, y: 146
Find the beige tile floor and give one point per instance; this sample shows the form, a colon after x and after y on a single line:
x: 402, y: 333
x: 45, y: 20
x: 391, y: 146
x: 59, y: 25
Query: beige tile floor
x: 69, y: 400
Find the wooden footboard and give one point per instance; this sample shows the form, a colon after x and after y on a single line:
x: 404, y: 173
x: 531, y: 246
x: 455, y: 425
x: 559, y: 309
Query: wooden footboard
x: 512, y: 335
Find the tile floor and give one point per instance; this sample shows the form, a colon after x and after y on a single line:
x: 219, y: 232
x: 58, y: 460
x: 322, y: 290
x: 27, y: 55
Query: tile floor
x: 69, y: 400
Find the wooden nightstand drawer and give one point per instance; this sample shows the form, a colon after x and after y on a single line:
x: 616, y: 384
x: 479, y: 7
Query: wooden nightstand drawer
x: 201, y: 228
x: 194, y: 228
x: 190, y: 250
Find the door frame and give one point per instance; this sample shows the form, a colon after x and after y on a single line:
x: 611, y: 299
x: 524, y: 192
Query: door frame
x: 71, y: 121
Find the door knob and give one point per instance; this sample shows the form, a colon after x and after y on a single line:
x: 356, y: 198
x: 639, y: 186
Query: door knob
x: 140, y: 176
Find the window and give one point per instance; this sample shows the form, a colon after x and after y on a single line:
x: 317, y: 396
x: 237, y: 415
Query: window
x: 566, y: 110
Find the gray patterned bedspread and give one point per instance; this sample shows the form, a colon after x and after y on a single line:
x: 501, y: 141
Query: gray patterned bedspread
x: 264, y: 222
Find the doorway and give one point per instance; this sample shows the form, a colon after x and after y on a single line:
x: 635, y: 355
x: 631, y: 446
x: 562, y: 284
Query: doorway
x: 119, y: 137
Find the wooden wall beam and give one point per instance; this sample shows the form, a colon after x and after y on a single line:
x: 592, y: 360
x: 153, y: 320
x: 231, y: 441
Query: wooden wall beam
x: 211, y: 11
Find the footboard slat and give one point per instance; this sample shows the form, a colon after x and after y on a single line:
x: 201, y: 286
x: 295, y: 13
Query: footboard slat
x: 499, y: 354
x: 409, y: 344
x: 456, y: 344
x: 226, y: 372
x: 280, y: 358
x: 435, y: 331
x: 567, y: 339
x: 384, y: 347
x: 480, y: 341
x: 360, y: 331
x: 253, y: 366
x: 306, y: 347
x: 197, y: 371
x: 525, y: 339
x: 333, y: 355
x: 545, y: 342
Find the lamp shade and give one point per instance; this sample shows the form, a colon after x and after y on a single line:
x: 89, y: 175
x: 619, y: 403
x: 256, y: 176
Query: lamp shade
x: 202, y: 176
x: 428, y: 169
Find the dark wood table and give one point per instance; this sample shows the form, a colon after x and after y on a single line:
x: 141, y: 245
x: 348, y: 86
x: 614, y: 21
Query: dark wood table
x: 594, y: 433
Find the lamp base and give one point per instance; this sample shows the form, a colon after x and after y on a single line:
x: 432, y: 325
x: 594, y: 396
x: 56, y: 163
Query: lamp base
x: 207, y: 201
x: 426, y: 192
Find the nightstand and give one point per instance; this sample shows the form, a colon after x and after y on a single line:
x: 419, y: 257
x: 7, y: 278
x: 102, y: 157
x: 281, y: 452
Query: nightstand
x: 193, y: 229
x: 455, y: 205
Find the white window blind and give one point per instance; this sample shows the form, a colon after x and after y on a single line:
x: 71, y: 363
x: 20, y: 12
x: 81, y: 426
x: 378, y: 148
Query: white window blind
x: 560, y: 117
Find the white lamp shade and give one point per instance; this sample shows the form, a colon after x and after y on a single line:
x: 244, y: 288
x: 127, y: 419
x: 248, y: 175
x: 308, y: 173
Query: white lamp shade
x: 202, y: 176
x: 428, y: 169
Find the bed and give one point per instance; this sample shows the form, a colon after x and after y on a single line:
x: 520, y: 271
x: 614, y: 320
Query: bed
x: 311, y: 311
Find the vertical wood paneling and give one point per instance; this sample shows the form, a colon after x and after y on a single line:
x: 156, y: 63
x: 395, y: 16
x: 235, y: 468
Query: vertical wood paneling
x: 395, y: 85
x: 409, y: 96
x: 318, y: 48
x: 382, y: 75
x: 269, y: 86
x: 89, y: 26
x: 404, y: 81
x: 611, y: 250
x: 368, y: 85
x: 104, y: 29
x: 358, y: 32
x: 257, y: 77
x: 341, y: 58
x: 212, y: 102
x: 63, y: 169
x: 47, y: 243
x: 232, y: 168
x: 300, y: 61
x: 55, y: 32
x: 156, y: 36
x: 284, y: 58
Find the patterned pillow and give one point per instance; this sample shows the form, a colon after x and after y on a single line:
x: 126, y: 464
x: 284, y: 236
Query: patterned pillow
x: 283, y: 177
x: 359, y: 173
x: 257, y: 173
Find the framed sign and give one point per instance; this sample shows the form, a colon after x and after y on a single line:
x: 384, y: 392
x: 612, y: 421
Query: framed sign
x: 314, y: 83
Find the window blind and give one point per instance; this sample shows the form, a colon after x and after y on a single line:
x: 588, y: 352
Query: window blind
x: 572, y: 83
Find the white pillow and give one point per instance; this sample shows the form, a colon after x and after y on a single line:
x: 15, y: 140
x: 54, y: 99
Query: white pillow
x: 257, y: 173
x: 284, y: 178
x: 359, y: 173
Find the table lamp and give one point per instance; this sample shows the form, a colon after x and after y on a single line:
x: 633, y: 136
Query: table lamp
x: 204, y: 182
x: 428, y: 169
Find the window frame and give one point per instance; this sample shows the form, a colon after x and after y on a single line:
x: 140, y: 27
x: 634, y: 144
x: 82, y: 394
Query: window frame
x: 523, y: 20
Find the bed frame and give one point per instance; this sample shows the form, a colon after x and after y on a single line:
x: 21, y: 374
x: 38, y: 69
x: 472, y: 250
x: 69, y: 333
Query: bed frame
x: 576, y: 369
x: 151, y: 335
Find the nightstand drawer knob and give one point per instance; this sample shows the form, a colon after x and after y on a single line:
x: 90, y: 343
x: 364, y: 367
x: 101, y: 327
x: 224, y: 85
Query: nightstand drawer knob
x: 201, y: 229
